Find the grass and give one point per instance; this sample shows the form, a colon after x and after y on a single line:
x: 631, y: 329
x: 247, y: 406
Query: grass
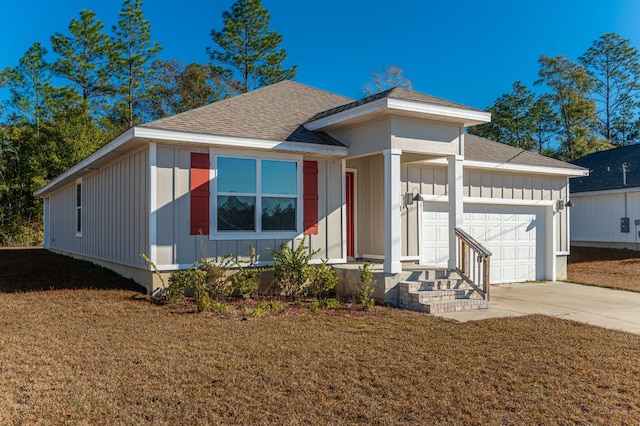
x: 112, y: 357
x: 603, y: 267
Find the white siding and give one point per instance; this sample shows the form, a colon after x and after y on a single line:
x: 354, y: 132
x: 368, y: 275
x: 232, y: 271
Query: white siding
x: 597, y: 219
x: 115, y: 212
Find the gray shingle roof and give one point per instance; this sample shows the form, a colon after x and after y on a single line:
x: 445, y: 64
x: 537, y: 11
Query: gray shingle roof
x: 393, y: 93
x: 606, y: 170
x: 274, y: 112
x: 481, y: 149
x: 278, y: 112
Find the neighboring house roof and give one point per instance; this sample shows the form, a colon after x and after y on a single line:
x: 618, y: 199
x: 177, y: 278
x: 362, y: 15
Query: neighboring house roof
x: 393, y: 93
x: 274, y: 112
x: 606, y: 170
x: 485, y: 150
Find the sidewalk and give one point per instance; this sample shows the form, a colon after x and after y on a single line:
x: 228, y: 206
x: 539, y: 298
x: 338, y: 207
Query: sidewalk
x: 614, y: 309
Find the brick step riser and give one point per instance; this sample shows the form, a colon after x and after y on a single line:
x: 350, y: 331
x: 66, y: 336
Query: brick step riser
x: 435, y: 285
x: 426, y: 297
x: 454, y: 307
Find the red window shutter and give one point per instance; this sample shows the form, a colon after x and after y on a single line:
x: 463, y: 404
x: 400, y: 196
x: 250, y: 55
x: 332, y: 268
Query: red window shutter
x: 199, y: 193
x: 310, y: 207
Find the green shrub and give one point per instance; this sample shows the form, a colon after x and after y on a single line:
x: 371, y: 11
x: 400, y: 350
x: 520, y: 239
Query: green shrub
x: 327, y: 303
x: 246, y: 280
x: 313, y: 309
x: 366, y: 286
x: 204, y: 302
x: 271, y: 305
x: 322, y: 279
x: 216, y: 282
x: 204, y: 279
x: 255, y: 312
x: 291, y: 269
x: 220, y: 308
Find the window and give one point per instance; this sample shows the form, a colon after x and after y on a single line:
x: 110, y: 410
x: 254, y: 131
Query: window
x: 256, y: 195
x: 79, y: 208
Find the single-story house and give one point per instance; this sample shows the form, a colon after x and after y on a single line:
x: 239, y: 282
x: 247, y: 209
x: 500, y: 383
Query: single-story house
x: 389, y: 178
x: 606, y: 210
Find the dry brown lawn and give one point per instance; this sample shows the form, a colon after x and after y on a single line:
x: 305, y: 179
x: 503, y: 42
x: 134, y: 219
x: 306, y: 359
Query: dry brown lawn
x: 112, y: 357
x: 603, y: 267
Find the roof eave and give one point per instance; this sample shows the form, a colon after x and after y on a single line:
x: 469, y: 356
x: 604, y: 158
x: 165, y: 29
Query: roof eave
x: 510, y: 167
x: 137, y: 136
x: 460, y: 116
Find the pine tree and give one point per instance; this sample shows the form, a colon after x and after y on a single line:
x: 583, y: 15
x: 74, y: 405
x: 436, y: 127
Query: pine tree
x: 570, y: 88
x: 249, y: 47
x: 614, y: 66
x: 131, y: 56
x: 84, y: 58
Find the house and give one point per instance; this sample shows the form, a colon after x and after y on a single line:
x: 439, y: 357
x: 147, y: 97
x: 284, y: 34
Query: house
x: 392, y: 177
x: 606, y: 210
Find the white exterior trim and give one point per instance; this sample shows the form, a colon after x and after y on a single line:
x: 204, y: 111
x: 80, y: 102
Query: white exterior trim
x: 466, y: 116
x: 479, y: 200
x: 472, y: 164
x: 153, y: 204
x: 47, y: 224
x: 178, y: 266
x: 84, y: 164
x: 392, y: 204
x: 120, y: 144
x: 240, y: 142
x: 258, y: 234
x: 78, y: 207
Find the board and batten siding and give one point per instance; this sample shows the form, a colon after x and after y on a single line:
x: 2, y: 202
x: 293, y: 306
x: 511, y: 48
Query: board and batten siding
x: 115, y: 213
x: 432, y: 181
x: 175, y: 247
x: 477, y: 183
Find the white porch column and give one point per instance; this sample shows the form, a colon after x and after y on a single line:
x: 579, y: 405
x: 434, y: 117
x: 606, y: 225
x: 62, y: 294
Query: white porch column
x: 392, y: 206
x: 456, y: 217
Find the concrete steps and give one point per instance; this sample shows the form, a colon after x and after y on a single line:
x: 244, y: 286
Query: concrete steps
x: 435, y: 291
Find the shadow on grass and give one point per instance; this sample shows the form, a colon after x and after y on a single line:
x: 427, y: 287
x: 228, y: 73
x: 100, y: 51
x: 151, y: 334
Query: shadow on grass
x: 35, y: 269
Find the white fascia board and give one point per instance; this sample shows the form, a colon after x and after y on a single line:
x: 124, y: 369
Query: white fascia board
x: 462, y: 115
x: 87, y: 162
x: 239, y: 142
x: 603, y: 192
x: 466, y: 116
x: 211, y: 140
x: 348, y: 114
x: 472, y: 164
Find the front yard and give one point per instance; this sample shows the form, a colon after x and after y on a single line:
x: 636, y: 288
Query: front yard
x: 96, y: 356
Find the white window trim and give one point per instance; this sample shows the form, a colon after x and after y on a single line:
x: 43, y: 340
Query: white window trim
x: 258, y: 234
x: 78, y: 207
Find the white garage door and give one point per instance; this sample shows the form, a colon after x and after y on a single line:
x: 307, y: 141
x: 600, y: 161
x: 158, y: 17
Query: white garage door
x: 514, y: 234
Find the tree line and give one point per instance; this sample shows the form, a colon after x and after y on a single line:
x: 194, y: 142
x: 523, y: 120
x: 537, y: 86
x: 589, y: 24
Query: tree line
x: 585, y: 106
x: 93, y: 84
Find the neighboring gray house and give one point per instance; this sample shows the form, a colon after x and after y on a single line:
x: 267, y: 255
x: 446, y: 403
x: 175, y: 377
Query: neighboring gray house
x: 607, y: 201
x: 271, y: 165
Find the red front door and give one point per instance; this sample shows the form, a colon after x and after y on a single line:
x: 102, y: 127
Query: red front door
x: 350, y: 193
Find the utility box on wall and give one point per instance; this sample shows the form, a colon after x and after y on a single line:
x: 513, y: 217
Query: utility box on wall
x: 624, y: 224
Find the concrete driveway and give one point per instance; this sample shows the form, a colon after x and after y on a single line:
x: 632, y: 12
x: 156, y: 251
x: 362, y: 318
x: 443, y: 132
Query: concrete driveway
x: 614, y: 309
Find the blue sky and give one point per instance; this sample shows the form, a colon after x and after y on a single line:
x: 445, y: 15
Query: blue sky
x: 468, y: 51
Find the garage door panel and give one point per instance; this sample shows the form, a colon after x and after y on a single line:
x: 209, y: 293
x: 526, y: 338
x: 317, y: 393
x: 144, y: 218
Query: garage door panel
x: 514, y: 234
